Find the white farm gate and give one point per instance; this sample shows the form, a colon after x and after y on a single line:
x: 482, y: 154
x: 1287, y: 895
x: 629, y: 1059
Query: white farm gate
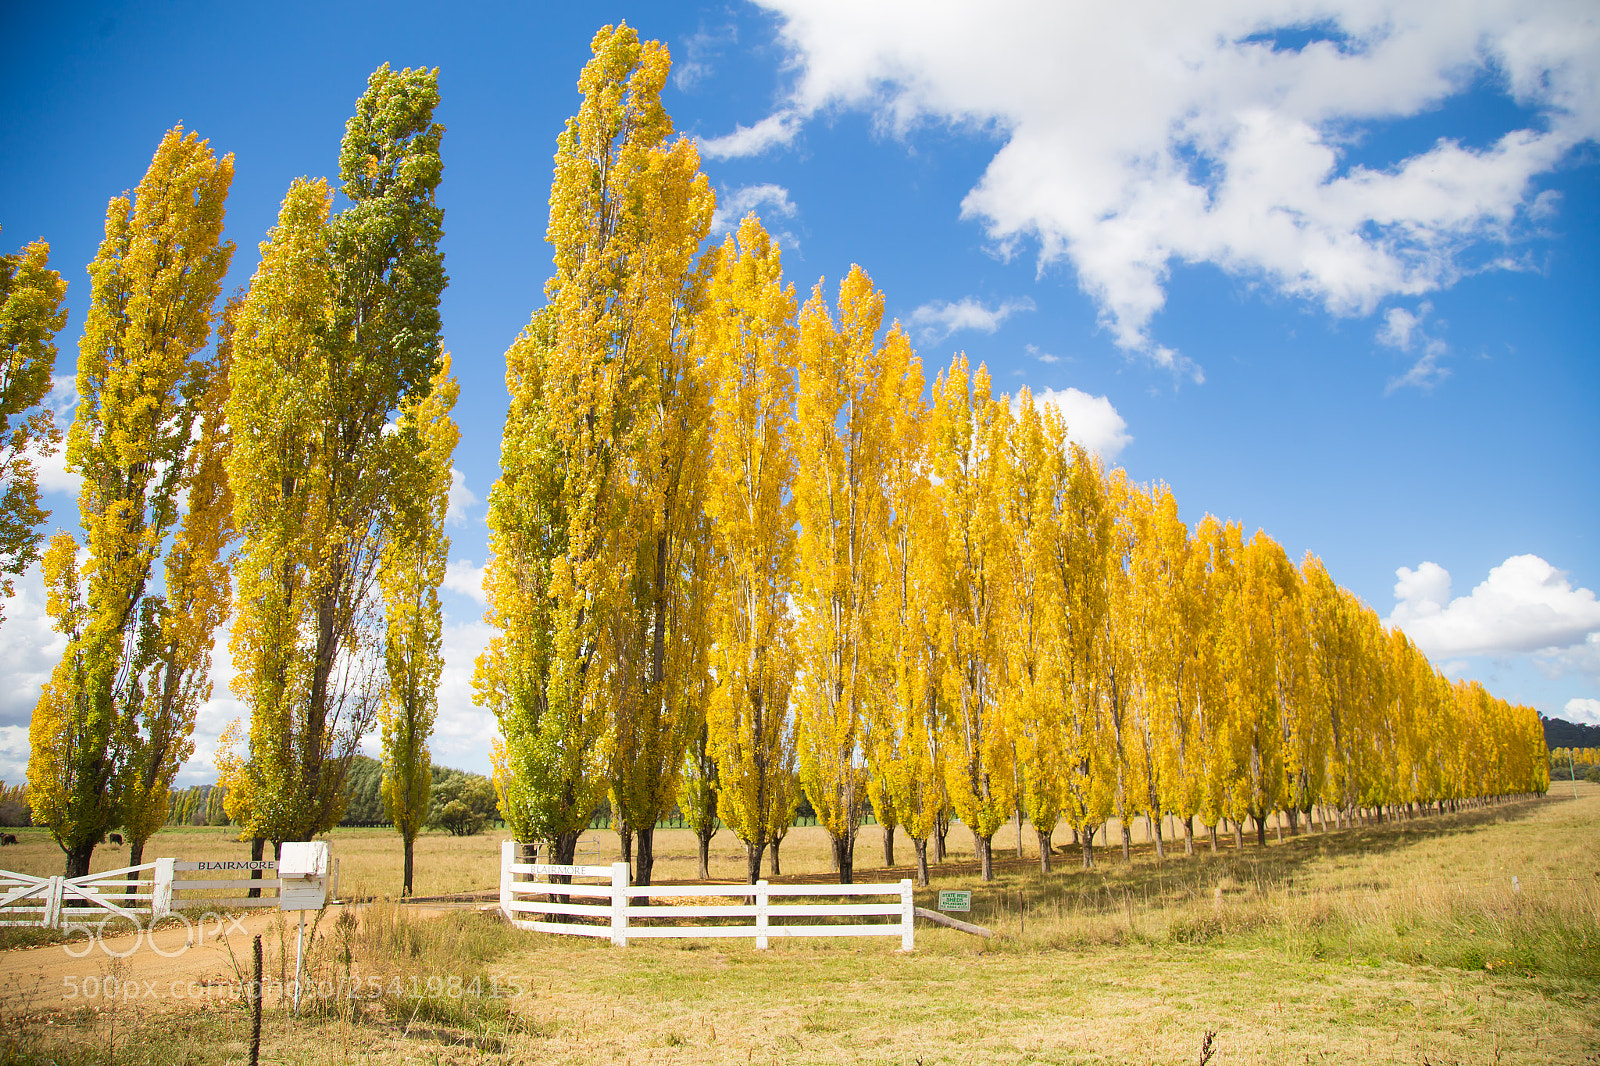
x: 621, y: 918
x: 140, y: 894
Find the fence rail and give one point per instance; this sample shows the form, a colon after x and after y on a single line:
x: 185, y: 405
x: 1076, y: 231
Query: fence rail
x: 72, y: 902
x: 621, y: 919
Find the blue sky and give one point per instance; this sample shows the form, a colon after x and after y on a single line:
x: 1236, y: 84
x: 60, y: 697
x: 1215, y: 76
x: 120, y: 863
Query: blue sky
x: 1326, y: 269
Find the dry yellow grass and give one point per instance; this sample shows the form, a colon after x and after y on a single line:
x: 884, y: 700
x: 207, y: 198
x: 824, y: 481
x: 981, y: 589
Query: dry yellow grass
x: 1399, y: 943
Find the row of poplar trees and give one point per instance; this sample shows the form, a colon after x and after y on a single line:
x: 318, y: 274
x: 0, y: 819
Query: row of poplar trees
x: 283, y: 459
x: 735, y: 553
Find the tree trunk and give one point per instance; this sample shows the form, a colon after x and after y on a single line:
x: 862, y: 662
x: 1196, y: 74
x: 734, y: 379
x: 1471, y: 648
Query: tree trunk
x: 752, y: 861
x: 941, y: 827
x: 1155, y: 833
x: 646, y: 840
x: 705, y: 852
x: 774, y: 869
x: 1020, y: 855
x: 78, y: 859
x: 405, y: 887
x: 921, y: 847
x: 1088, y: 848
x: 1261, y: 829
x: 135, y: 858
x: 985, y: 854
x: 1127, y: 840
x: 257, y: 846
x: 1211, y: 831
x: 624, y: 841
x: 1044, y: 848
x: 562, y: 848
x: 888, y: 846
x: 844, y: 858
x: 1188, y: 834
x: 1238, y: 836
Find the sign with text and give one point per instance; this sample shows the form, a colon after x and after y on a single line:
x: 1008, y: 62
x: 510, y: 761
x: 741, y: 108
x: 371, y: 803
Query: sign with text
x: 955, y: 901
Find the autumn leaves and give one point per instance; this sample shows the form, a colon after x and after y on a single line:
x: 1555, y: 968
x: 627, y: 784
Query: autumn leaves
x: 735, y: 551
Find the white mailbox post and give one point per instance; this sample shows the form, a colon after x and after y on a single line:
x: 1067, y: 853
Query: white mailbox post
x: 303, y: 870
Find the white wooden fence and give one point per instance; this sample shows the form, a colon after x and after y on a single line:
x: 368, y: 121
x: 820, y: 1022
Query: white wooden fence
x: 142, y: 894
x: 620, y: 918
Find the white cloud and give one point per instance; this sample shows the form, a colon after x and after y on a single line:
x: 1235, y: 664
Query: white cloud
x: 29, y: 649
x: 1091, y: 420
x: 692, y: 62
x: 1041, y: 355
x: 1585, y: 711
x: 1137, y: 135
x: 733, y: 206
x: 1403, y: 330
x: 13, y: 754
x: 752, y: 140
x: 1582, y: 660
x: 461, y: 497
x: 62, y: 400
x: 463, y: 730
x: 461, y: 576
x: 1524, y: 605
x: 939, y: 319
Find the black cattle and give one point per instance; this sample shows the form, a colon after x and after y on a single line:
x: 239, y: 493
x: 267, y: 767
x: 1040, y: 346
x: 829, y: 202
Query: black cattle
x: 116, y: 838
x: 8, y: 838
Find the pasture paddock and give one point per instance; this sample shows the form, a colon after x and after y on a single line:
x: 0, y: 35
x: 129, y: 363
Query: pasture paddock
x: 1403, y: 942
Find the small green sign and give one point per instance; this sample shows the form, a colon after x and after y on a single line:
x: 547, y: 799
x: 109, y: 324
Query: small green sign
x: 955, y: 901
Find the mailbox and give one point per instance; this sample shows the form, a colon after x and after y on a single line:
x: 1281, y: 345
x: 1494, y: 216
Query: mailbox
x: 303, y: 872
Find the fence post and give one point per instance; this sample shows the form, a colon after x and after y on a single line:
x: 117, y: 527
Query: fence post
x: 506, y: 853
x: 761, y: 914
x: 619, y: 904
x: 908, y: 915
x: 52, y: 902
x: 161, y: 892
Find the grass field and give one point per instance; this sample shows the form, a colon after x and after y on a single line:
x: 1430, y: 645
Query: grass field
x: 1403, y: 943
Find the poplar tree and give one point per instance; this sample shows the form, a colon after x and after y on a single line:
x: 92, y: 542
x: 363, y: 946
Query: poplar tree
x: 903, y: 722
x: 747, y: 344
x: 410, y: 572
x: 30, y: 316
x: 656, y: 635
x: 967, y: 430
x: 1080, y: 538
x: 141, y: 387
x: 172, y: 661
x: 1032, y: 470
x: 595, y: 385
x: 339, y: 331
x: 840, y: 442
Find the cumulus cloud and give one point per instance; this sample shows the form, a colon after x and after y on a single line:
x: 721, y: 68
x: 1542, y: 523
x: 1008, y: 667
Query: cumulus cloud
x: 1524, y: 605
x: 29, y: 649
x: 733, y: 205
x: 62, y: 400
x: 459, y: 500
x: 939, y: 319
x: 1586, y: 711
x: 13, y: 754
x: 1217, y: 133
x: 463, y: 577
x: 1091, y: 421
x: 463, y: 730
